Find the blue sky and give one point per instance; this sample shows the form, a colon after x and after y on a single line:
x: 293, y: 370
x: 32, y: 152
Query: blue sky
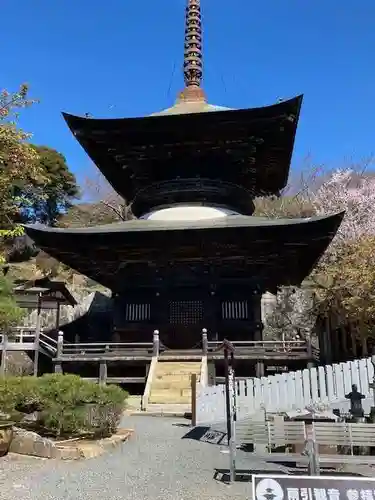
x: 122, y: 58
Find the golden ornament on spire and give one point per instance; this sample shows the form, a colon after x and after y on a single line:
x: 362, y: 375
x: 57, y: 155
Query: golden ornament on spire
x: 193, y: 65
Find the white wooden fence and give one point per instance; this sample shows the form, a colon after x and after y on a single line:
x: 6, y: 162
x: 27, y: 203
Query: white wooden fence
x: 290, y: 391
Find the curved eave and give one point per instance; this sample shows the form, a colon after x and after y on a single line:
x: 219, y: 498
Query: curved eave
x: 145, y: 225
x: 78, y: 123
x: 284, y: 250
x: 133, y: 153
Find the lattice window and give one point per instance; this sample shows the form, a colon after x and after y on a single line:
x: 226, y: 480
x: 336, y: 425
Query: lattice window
x: 137, y: 312
x: 185, y: 312
x: 235, y: 309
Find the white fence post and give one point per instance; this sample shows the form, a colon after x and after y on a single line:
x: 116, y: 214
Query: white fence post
x: 290, y: 391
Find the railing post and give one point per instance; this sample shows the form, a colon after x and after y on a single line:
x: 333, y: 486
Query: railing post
x: 60, y: 343
x: 37, y: 337
x: 204, y: 342
x: 103, y: 372
x: 4, y: 344
x: 156, y: 344
x: 59, y: 352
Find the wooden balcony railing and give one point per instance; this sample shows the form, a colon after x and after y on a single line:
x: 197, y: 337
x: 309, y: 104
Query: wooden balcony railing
x: 28, y: 339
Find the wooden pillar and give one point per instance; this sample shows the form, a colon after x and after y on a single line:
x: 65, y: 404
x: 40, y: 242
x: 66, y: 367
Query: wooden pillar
x: 37, y: 336
x: 311, y: 361
x: 57, y: 322
x: 4, y: 344
x: 193, y: 382
x: 258, y: 329
x: 212, y: 311
x: 103, y: 372
x: 59, y: 352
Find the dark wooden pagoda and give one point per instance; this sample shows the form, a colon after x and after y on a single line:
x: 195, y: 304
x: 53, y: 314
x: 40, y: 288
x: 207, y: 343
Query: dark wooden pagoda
x: 182, y: 276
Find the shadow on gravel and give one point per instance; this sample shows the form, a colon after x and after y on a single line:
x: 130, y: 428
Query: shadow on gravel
x: 242, y: 475
x: 205, y: 435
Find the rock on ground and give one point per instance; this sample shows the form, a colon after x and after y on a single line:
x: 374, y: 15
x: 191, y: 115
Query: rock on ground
x: 31, y: 443
x: 157, y: 463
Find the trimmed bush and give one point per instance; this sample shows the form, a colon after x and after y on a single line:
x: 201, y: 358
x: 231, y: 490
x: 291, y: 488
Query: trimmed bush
x: 67, y: 405
x: 16, y: 393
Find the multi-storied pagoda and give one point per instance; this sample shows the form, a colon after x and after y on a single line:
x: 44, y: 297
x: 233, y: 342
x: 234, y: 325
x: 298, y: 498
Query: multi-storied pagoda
x: 194, y: 257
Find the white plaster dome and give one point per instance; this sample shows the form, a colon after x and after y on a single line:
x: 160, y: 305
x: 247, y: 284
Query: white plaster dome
x: 188, y: 213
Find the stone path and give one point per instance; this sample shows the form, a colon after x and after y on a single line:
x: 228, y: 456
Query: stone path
x: 158, y: 463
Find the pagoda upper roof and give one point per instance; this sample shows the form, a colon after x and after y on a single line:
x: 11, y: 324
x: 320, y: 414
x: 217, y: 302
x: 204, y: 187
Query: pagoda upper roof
x: 182, y: 107
x: 140, y: 157
x: 274, y: 251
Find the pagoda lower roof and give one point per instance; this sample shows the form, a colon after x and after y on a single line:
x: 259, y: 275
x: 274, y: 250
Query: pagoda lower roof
x: 251, y: 148
x: 274, y: 251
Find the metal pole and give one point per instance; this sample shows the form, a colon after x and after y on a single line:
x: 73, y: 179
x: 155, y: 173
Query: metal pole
x: 227, y: 395
x: 373, y: 376
x: 232, y: 442
x: 312, y: 453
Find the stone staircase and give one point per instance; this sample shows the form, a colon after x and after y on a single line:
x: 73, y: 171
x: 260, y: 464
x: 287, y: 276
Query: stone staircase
x: 171, y: 383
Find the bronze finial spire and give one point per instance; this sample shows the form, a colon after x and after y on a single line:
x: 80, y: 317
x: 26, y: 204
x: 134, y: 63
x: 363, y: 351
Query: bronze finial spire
x: 193, y: 65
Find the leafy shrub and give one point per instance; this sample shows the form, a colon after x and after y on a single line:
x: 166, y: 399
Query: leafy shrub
x: 67, y: 405
x: 18, y: 392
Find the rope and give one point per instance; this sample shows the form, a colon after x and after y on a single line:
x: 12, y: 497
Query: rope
x: 195, y: 346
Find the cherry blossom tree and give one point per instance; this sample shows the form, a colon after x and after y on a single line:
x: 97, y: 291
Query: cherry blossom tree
x: 104, y: 205
x: 345, y: 276
x: 352, y: 192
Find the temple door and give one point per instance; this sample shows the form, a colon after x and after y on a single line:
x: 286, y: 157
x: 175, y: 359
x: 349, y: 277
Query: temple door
x: 185, y: 311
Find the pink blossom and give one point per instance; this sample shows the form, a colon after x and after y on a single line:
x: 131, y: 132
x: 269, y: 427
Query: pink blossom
x: 345, y: 191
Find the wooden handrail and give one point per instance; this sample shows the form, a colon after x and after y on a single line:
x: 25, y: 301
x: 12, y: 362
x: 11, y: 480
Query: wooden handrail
x: 48, y: 346
x: 267, y: 345
x: 50, y: 339
x: 109, y: 344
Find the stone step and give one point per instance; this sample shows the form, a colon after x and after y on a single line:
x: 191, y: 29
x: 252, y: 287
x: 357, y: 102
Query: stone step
x: 174, y: 377
x: 168, y: 398
x: 176, y: 370
x: 171, y: 382
x: 167, y: 385
x: 180, y: 363
x: 160, y: 392
x: 182, y: 389
x: 177, y: 366
x: 168, y: 408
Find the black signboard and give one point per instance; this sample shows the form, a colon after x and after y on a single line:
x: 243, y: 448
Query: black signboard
x: 312, y: 488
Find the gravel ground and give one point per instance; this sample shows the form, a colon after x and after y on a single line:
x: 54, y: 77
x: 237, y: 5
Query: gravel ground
x: 155, y: 464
